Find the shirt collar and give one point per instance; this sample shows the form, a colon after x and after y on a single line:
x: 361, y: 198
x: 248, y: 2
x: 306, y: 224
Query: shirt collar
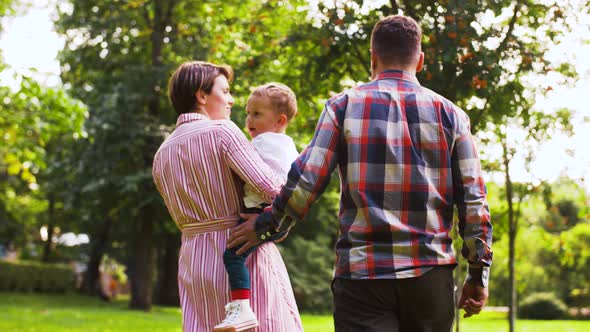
x: 398, y: 75
x: 190, y: 117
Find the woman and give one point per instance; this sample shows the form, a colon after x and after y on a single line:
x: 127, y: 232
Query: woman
x: 199, y: 171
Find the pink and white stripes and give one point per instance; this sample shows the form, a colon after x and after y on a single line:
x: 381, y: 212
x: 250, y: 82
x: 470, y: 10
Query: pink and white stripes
x: 199, y: 171
x: 204, y: 295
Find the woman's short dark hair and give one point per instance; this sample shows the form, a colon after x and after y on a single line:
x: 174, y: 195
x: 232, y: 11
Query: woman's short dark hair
x: 397, y: 40
x: 191, y: 77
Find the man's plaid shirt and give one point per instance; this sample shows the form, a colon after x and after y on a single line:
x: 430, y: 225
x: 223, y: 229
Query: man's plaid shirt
x: 405, y: 157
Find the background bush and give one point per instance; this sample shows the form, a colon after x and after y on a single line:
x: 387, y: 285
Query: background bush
x: 312, y: 290
x: 36, y: 277
x: 542, y: 306
x: 309, y: 254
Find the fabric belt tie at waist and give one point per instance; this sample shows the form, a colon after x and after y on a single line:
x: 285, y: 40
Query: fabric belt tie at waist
x: 209, y: 225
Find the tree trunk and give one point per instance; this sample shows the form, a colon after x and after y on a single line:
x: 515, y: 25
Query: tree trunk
x: 98, y: 247
x: 511, y: 239
x: 50, y: 228
x: 458, y: 284
x: 142, y: 263
x: 167, y: 287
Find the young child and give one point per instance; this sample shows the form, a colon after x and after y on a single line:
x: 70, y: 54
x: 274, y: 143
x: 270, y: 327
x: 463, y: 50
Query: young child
x: 269, y: 109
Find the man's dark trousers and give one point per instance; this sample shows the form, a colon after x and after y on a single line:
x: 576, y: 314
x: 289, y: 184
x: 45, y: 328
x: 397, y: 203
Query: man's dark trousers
x: 425, y: 303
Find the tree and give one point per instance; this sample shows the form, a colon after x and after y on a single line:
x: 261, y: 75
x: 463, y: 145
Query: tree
x: 137, y: 44
x: 538, y: 126
x: 39, y: 126
x: 544, y: 259
x: 125, y: 111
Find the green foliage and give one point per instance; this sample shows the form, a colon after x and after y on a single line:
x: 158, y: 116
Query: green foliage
x: 20, y: 212
x: 561, y: 216
x: 9, y: 228
x: 309, y: 255
x: 525, y: 193
x: 575, y: 260
x: 544, y: 260
x: 545, y: 306
x: 32, y: 119
x: 39, y: 127
x: 472, y: 50
x: 311, y: 289
x: 567, y: 205
x: 537, y: 265
x: 35, y: 277
x: 6, y: 8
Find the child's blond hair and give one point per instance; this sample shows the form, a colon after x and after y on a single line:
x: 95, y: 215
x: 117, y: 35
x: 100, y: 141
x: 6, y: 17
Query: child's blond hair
x: 281, y: 97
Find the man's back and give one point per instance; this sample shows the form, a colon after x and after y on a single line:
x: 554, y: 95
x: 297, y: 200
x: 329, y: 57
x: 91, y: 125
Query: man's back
x: 395, y: 166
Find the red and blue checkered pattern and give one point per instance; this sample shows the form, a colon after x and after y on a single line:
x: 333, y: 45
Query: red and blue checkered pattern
x: 405, y: 157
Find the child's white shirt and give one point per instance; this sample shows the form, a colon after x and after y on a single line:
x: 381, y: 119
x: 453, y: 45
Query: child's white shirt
x: 278, y: 151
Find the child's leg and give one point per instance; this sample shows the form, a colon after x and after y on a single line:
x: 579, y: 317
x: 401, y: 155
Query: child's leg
x: 235, y: 265
x: 237, y: 272
x: 238, y: 313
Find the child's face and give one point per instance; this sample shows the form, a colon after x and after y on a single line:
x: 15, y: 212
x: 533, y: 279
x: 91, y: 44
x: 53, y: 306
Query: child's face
x: 261, y: 118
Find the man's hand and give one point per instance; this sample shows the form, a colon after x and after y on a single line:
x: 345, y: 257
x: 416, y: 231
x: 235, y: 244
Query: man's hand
x: 473, y: 299
x: 244, y: 233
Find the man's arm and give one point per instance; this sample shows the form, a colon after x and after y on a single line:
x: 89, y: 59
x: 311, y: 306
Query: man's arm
x: 307, y: 179
x: 474, y: 218
x: 309, y: 175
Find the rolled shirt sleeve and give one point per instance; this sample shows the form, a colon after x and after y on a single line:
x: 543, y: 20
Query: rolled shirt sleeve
x: 307, y: 179
x: 470, y: 197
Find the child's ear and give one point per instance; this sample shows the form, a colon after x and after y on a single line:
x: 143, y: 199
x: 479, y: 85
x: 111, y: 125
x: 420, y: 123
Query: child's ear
x: 200, y: 95
x: 283, y: 120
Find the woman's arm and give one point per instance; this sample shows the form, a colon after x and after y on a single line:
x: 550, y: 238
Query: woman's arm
x: 243, y: 159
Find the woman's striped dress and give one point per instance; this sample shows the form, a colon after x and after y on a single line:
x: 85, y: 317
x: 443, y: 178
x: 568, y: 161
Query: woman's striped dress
x: 200, y: 170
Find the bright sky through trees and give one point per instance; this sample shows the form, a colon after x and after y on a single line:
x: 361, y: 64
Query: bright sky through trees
x: 29, y: 41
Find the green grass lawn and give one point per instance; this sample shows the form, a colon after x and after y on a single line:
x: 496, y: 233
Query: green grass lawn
x: 75, y: 313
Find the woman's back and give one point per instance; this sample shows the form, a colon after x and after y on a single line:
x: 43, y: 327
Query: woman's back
x: 189, y: 168
x: 200, y: 170
x: 193, y: 170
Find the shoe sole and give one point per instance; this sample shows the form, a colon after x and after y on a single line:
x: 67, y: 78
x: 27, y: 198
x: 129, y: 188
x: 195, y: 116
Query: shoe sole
x: 237, y: 328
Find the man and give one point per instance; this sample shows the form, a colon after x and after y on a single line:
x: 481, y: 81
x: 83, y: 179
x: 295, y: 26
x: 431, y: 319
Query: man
x: 406, y: 157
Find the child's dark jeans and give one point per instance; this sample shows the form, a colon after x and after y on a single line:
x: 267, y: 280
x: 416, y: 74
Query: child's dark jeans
x: 235, y: 265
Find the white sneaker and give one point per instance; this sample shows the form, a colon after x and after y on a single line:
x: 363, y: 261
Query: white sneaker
x: 238, y: 317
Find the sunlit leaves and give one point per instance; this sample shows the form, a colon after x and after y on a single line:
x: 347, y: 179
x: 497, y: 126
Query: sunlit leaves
x: 33, y: 118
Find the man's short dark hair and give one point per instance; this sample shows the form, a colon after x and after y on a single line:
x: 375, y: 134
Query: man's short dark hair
x: 396, y: 40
